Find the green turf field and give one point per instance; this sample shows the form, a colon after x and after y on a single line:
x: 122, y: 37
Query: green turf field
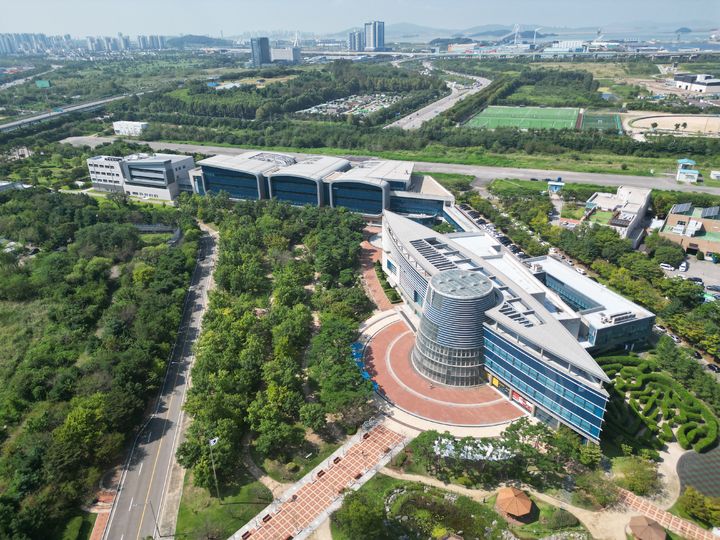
x: 525, y: 117
x: 601, y: 121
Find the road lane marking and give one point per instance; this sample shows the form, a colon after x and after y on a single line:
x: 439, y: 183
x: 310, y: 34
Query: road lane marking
x: 131, y: 501
x: 140, y: 469
x: 162, y: 439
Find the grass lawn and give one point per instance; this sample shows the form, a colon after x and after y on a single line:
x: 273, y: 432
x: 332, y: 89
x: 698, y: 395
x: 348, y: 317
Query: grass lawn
x: 301, y: 461
x: 79, y: 527
x: 525, y: 118
x: 539, y: 527
x: 453, y: 182
x: 601, y: 121
x: 153, y: 239
x: 471, y: 155
x: 516, y: 188
x: 572, y: 212
x: 601, y: 216
x: 203, y: 516
x: 678, y: 510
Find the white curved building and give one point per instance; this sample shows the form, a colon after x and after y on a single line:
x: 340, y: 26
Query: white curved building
x: 481, y: 316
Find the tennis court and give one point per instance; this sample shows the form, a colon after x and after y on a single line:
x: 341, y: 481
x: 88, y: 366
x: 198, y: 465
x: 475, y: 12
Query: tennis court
x: 525, y: 117
x: 601, y: 121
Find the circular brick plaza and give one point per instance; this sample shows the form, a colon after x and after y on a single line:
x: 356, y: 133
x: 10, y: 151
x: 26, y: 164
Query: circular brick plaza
x: 387, y: 360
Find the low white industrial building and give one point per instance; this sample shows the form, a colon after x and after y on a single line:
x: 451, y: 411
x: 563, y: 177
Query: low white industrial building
x: 131, y: 129
x: 702, y: 83
x: 147, y: 176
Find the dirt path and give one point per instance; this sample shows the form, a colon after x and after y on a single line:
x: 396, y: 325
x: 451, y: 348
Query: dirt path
x: 604, y: 525
x: 277, y: 488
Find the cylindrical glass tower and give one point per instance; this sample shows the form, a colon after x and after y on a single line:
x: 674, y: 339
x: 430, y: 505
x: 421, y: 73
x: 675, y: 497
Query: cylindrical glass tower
x: 449, y: 343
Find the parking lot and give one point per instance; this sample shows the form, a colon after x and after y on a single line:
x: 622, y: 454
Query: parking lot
x: 708, y: 271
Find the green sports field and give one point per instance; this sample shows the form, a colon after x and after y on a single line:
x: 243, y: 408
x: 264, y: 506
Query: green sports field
x: 601, y: 121
x: 525, y: 117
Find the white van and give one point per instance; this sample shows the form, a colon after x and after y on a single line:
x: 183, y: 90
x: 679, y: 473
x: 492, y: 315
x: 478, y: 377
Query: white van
x: 667, y: 267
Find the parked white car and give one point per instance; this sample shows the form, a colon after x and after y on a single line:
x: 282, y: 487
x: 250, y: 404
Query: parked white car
x: 683, y: 266
x: 580, y: 271
x: 667, y: 267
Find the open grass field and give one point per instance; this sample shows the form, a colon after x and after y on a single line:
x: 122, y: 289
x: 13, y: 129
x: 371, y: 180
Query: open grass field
x: 604, y: 70
x: 594, y: 162
x: 601, y: 121
x: 525, y: 118
x: 78, y: 527
x: 203, y: 516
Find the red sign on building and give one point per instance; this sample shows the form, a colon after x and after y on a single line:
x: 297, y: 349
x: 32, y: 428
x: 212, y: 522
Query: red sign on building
x: 524, y: 403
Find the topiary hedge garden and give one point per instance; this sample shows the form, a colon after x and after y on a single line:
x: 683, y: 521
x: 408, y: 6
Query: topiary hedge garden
x: 648, y: 408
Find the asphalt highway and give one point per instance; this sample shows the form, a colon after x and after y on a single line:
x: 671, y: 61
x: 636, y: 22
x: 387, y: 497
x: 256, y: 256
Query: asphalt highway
x: 16, y: 124
x: 483, y: 175
x: 458, y: 92
x: 144, y: 482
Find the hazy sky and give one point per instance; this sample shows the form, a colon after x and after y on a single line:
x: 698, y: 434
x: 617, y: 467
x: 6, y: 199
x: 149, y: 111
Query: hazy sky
x: 84, y: 17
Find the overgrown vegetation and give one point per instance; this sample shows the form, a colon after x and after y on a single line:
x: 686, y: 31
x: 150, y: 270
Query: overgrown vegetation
x: 89, y: 322
x: 385, y: 508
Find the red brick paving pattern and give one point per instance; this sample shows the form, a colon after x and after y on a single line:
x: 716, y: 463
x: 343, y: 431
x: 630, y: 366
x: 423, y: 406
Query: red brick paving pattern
x: 387, y: 359
x: 665, y: 519
x: 308, y: 503
x: 368, y: 256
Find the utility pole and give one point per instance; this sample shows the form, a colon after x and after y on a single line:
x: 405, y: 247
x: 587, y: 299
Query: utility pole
x: 157, y: 527
x: 213, y: 442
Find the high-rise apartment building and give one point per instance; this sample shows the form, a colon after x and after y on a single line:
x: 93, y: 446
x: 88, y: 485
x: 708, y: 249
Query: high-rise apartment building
x: 356, y: 40
x: 260, y: 51
x: 375, y: 36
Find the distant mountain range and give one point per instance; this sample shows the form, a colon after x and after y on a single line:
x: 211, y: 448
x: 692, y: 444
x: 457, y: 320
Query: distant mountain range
x: 191, y: 41
x: 424, y: 34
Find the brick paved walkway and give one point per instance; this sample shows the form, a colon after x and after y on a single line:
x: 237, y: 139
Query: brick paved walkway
x: 102, y: 509
x: 387, y: 359
x: 304, y: 506
x: 368, y: 256
x: 673, y: 523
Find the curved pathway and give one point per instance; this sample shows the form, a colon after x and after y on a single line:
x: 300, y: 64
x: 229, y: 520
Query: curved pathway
x: 387, y: 359
x: 275, y: 487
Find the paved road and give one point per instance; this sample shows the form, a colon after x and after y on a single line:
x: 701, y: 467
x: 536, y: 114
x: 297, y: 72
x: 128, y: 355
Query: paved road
x: 17, y: 124
x: 418, y: 118
x: 144, y: 483
x: 483, y: 175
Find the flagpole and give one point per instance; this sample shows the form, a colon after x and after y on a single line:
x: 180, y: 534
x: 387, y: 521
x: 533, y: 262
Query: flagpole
x: 213, y: 442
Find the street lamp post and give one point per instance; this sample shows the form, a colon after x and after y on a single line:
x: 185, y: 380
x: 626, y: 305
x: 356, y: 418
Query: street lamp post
x: 213, y: 442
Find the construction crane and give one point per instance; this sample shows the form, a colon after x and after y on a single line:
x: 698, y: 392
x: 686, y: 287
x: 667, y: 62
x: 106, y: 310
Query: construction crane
x: 535, y: 34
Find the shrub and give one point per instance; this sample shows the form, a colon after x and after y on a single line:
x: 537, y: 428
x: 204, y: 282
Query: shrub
x: 666, y: 433
x: 562, y: 519
x: 400, y: 459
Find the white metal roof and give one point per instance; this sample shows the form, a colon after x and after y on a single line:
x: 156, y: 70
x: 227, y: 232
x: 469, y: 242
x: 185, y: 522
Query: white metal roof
x: 611, y: 301
x: 542, y: 328
x: 315, y: 167
x: 250, y: 162
x: 376, y: 172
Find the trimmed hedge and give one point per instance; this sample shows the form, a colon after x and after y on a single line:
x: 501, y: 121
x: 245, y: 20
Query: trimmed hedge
x: 657, y: 403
